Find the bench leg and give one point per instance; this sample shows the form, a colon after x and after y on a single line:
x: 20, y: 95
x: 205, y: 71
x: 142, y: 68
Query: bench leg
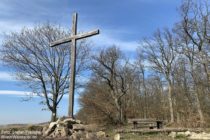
x: 135, y: 126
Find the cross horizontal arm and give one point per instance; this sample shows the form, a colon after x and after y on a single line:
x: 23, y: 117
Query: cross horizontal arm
x: 87, y: 34
x: 77, y: 37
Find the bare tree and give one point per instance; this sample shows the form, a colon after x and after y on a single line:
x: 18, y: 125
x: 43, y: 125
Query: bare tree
x: 110, y: 66
x: 97, y: 104
x: 160, y: 53
x: 44, y: 69
x: 196, y: 25
x: 141, y: 70
x: 190, y: 52
x: 170, y: 81
x: 193, y: 39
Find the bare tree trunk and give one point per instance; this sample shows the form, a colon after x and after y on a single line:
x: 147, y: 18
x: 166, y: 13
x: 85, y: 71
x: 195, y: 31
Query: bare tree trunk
x: 206, y: 65
x: 121, y: 115
x: 54, y: 115
x: 178, y: 117
x: 170, y: 103
x: 145, y: 97
x: 197, y: 101
x: 145, y: 106
x: 198, y: 106
x: 118, y: 109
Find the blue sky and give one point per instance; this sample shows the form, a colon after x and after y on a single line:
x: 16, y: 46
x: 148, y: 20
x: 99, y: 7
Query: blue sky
x: 121, y: 22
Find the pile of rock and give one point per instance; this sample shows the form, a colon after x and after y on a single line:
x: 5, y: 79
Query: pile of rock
x: 191, y: 135
x: 69, y: 128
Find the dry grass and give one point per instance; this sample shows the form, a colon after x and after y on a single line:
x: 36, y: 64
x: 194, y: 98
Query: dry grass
x: 148, y: 137
x: 19, y: 127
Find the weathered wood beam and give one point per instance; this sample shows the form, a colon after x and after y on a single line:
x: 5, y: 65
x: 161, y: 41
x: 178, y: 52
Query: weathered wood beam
x: 73, y: 67
x: 87, y: 34
x: 77, y: 37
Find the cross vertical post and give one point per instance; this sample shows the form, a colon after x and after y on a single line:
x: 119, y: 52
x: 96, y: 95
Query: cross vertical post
x: 73, y: 39
x: 73, y: 67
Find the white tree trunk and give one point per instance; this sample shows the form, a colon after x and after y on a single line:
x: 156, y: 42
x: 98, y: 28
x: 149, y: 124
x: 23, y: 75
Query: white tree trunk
x: 198, y: 106
x: 170, y: 103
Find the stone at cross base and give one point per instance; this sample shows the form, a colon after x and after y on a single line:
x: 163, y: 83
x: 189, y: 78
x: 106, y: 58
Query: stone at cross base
x: 73, y: 39
x: 68, y: 128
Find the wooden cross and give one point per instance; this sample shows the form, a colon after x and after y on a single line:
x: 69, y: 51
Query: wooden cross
x: 73, y: 39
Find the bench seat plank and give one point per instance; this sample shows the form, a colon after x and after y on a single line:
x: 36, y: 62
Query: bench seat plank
x: 146, y: 123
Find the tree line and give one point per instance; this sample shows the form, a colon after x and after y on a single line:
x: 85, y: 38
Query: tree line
x: 168, y: 80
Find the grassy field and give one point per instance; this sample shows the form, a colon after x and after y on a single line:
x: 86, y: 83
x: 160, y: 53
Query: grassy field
x: 148, y: 137
x: 137, y: 136
x: 110, y: 132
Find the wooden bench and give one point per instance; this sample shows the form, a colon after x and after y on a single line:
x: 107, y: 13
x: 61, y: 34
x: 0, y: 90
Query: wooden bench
x: 146, y: 123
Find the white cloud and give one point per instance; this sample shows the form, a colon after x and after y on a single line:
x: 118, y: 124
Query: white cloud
x: 104, y: 40
x: 10, y: 26
x: 7, y: 26
x: 14, y: 92
x: 27, y: 93
x: 6, y: 76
